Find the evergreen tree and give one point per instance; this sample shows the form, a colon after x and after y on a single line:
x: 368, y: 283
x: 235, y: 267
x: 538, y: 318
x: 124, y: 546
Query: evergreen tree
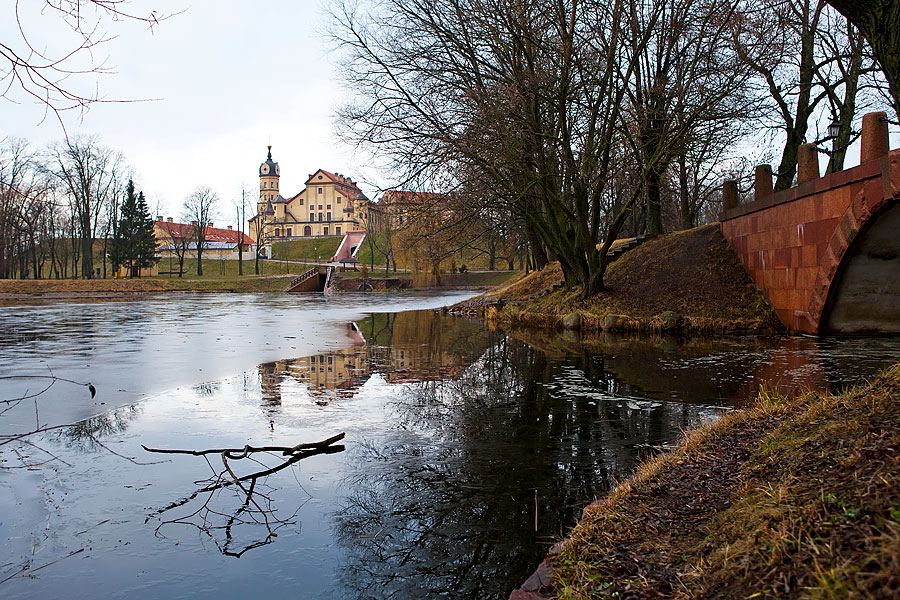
x: 145, y: 240
x: 134, y: 244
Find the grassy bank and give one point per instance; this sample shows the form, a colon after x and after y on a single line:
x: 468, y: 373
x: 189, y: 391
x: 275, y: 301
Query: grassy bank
x: 689, y: 281
x: 792, y: 498
x: 309, y: 249
x: 11, y: 289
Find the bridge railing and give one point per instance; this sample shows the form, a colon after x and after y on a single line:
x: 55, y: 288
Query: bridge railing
x: 304, y: 277
x: 874, y: 144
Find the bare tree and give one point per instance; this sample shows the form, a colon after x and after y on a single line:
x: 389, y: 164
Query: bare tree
x: 17, y: 163
x: 879, y: 22
x: 60, y: 74
x: 811, y: 64
x: 89, y: 173
x: 240, y: 206
x: 199, y: 210
x: 529, y: 99
x: 261, y: 231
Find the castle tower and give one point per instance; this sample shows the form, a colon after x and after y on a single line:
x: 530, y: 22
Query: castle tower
x: 268, y: 179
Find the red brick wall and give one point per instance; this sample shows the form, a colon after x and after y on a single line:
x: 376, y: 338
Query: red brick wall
x: 792, y: 243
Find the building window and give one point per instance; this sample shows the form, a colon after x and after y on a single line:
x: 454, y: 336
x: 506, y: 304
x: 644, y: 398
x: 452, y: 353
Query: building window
x: 320, y: 190
x: 337, y: 231
x: 320, y: 207
x: 339, y: 199
x: 324, y: 231
x: 301, y: 201
x: 307, y: 231
x: 328, y: 217
x: 288, y: 232
x: 265, y: 184
x: 320, y: 177
x: 277, y: 232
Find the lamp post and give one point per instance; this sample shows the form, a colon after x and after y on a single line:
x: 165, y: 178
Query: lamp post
x: 834, y: 130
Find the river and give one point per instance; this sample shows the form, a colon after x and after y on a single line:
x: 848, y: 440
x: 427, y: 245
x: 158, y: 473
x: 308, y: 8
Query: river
x: 468, y: 451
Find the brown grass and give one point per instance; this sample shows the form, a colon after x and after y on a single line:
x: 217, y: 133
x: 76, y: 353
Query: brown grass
x: 11, y: 289
x: 794, y: 498
x: 693, y: 273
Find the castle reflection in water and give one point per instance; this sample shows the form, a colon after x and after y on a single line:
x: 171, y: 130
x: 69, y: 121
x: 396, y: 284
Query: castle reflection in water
x: 401, y: 348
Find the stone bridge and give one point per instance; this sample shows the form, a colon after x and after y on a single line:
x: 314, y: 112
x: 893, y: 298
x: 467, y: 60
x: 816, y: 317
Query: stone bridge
x: 826, y: 254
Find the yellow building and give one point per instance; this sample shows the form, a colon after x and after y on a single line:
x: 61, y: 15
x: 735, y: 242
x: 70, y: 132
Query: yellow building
x: 329, y: 205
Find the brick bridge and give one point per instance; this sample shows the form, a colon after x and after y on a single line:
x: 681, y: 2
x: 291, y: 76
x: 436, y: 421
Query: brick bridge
x: 826, y: 254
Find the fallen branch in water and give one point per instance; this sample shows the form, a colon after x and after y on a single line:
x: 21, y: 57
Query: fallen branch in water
x: 238, y: 453
x: 256, y: 509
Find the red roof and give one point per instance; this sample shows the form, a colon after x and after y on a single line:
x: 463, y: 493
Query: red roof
x: 213, y: 234
x: 338, y: 179
x: 406, y: 197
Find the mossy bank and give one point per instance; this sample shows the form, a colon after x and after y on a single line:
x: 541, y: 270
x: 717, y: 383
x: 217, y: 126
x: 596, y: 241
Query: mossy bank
x: 793, y: 498
x: 688, y: 282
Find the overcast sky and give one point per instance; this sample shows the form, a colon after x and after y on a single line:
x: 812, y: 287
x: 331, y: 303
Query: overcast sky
x: 230, y: 77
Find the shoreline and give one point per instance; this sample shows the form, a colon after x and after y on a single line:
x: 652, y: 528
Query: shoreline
x: 793, y: 496
x: 687, y: 282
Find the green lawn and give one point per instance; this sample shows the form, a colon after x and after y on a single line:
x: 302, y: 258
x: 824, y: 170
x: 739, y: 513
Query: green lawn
x: 214, y: 267
x: 308, y: 249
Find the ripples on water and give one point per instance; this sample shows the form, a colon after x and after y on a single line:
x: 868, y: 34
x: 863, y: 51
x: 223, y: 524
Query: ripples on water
x: 468, y: 451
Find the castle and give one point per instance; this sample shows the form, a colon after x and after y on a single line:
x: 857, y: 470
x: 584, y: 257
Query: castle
x: 329, y: 205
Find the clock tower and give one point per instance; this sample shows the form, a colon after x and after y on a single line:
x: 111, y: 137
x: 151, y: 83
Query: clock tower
x: 268, y: 179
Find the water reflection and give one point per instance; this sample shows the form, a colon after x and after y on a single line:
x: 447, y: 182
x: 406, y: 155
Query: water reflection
x: 238, y: 512
x: 469, y: 451
x: 401, y: 347
x: 486, y: 468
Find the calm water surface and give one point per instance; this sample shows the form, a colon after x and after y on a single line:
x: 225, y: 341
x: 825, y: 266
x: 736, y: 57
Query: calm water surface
x: 467, y: 451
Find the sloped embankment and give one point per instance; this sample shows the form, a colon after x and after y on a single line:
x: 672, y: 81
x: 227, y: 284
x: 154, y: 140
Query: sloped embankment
x: 793, y: 498
x: 689, y: 280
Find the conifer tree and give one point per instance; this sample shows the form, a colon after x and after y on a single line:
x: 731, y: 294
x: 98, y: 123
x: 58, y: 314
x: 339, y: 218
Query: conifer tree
x: 134, y: 245
x: 145, y: 242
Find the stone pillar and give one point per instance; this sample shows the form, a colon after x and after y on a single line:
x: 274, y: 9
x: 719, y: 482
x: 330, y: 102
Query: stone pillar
x: 807, y: 163
x: 874, y: 143
x: 729, y: 194
x: 762, y: 182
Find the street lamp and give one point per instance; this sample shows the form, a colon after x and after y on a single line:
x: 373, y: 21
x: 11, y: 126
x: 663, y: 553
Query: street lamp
x: 834, y: 130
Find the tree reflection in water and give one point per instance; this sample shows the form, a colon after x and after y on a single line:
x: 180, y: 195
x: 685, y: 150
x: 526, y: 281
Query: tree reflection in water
x: 237, y: 512
x: 446, y: 505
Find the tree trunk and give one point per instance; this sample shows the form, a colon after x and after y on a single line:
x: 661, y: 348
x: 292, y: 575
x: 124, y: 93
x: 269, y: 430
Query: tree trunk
x: 654, y: 207
x: 537, y: 248
x: 879, y: 22
x: 687, y: 218
x: 87, y: 248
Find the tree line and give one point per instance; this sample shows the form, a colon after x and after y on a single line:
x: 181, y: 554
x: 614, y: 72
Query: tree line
x: 571, y: 123
x: 67, y: 205
x: 72, y: 210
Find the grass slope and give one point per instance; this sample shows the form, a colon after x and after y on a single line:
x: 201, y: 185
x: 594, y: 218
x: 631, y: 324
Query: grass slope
x: 311, y: 249
x: 694, y: 273
x: 793, y: 498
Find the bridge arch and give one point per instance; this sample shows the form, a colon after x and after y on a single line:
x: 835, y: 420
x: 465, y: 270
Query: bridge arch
x: 826, y: 253
x: 863, y: 295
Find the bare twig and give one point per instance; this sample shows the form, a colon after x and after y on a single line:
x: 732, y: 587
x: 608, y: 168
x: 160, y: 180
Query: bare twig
x: 238, y: 453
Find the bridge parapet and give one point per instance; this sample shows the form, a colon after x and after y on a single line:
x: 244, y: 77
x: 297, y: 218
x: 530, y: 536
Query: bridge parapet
x: 796, y: 244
